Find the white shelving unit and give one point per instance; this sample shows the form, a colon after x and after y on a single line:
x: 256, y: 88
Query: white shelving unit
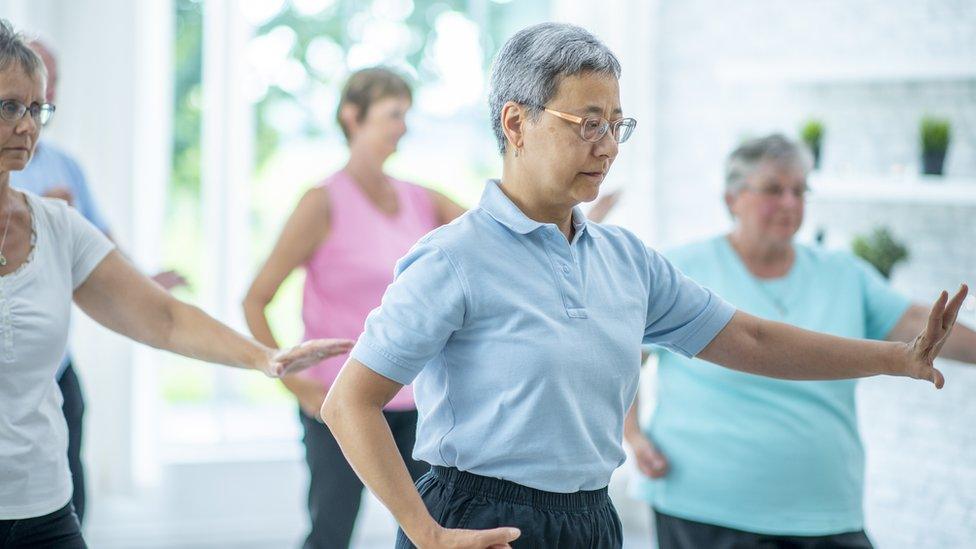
x: 893, y: 189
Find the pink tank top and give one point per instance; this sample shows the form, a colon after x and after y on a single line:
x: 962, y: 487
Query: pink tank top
x: 347, y: 275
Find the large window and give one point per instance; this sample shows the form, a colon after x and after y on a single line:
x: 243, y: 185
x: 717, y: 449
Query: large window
x: 296, y: 57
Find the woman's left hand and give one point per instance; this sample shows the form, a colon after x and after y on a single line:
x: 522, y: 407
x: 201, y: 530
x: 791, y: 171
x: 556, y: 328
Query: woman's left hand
x: 299, y: 357
x: 921, y: 352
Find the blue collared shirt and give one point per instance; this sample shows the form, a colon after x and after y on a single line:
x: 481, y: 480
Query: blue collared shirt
x: 525, y: 347
x: 49, y: 168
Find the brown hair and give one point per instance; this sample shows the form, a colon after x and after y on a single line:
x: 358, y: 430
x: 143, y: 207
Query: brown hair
x: 367, y: 86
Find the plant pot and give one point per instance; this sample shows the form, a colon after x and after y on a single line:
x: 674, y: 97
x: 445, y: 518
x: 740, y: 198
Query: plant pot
x: 815, y: 149
x: 932, y: 162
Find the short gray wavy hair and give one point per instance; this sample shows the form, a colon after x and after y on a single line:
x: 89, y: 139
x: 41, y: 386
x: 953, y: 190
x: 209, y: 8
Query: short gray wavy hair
x: 529, y: 67
x: 16, y: 50
x: 744, y: 160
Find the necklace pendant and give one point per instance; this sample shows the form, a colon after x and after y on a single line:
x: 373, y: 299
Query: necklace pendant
x: 3, y: 261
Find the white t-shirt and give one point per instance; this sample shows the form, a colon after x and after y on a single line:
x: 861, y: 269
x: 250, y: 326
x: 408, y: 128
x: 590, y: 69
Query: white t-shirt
x: 35, y: 305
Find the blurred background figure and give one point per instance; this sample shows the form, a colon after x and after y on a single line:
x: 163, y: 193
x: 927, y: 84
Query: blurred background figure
x: 348, y: 232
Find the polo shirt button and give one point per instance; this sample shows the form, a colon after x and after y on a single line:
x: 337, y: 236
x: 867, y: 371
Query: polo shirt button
x: 565, y: 269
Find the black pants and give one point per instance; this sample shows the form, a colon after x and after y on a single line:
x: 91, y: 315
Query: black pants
x: 334, y: 491
x: 58, y: 530
x: 580, y: 520
x: 679, y: 533
x: 74, y: 412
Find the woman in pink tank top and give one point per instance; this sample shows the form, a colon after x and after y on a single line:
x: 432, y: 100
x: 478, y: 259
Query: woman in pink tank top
x: 348, y: 232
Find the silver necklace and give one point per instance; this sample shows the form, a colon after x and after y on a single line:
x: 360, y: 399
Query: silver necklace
x: 3, y: 258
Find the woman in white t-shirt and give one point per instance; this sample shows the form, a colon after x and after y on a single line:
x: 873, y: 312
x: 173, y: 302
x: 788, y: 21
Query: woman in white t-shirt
x: 49, y: 256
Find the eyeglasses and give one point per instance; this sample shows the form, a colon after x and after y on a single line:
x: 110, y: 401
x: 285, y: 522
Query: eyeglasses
x: 777, y: 191
x: 593, y: 128
x: 12, y: 110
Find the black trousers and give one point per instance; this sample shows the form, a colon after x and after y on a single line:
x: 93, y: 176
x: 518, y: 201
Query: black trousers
x: 74, y: 412
x: 679, y: 533
x: 58, y: 530
x: 579, y: 520
x: 334, y: 491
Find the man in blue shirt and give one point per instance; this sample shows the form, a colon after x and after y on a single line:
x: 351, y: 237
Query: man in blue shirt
x: 53, y: 173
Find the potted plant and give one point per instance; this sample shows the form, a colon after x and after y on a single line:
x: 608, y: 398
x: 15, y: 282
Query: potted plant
x: 812, y: 134
x: 934, y: 134
x: 880, y: 249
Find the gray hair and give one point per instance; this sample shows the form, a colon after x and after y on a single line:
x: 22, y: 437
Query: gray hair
x: 15, y: 49
x: 745, y: 159
x: 529, y: 67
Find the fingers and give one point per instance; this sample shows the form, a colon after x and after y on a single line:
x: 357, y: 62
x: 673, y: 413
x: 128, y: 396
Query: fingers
x: 937, y: 379
x: 307, y: 354
x: 952, y: 309
x: 934, y: 326
x: 497, y: 537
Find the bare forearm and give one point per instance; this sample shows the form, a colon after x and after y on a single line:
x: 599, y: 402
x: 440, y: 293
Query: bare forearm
x: 774, y: 349
x: 366, y: 441
x: 257, y: 322
x: 197, y: 335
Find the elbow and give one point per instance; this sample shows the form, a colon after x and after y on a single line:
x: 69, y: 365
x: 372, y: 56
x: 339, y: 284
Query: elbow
x: 331, y: 410
x: 254, y: 303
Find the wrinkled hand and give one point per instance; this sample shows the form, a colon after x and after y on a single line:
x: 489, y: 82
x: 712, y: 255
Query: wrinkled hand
x: 921, y: 352
x: 603, y: 206
x: 496, y: 538
x: 302, y: 356
x: 650, y: 461
x: 169, y: 280
x: 62, y: 192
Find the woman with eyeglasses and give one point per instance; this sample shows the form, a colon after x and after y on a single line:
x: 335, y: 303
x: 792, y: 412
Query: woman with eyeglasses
x: 521, y: 324
x: 738, y: 460
x: 49, y: 257
x: 348, y: 233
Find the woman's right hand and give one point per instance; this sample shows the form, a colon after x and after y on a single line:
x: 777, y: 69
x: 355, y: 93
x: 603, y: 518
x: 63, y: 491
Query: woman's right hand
x: 454, y: 538
x: 650, y: 461
x: 288, y: 361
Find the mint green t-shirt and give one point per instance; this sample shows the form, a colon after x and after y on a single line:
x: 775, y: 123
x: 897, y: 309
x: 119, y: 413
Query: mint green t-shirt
x: 759, y: 454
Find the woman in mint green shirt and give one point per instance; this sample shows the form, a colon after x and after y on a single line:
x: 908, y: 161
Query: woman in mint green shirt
x: 742, y: 460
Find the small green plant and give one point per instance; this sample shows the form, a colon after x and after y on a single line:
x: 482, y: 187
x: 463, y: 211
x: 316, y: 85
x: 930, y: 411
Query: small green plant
x: 812, y: 133
x: 935, y: 133
x: 880, y: 249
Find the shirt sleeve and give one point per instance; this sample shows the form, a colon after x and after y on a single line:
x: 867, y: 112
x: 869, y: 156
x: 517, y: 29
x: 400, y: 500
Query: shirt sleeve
x: 682, y: 316
x: 883, y: 306
x: 89, y: 246
x: 420, y: 310
x: 84, y: 201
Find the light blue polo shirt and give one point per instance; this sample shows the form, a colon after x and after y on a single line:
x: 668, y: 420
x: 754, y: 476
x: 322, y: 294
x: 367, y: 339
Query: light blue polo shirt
x: 50, y: 167
x: 524, y: 348
x: 759, y: 454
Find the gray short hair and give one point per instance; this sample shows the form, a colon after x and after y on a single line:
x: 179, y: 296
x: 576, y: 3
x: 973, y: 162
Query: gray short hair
x: 746, y: 158
x: 15, y: 49
x: 529, y: 67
